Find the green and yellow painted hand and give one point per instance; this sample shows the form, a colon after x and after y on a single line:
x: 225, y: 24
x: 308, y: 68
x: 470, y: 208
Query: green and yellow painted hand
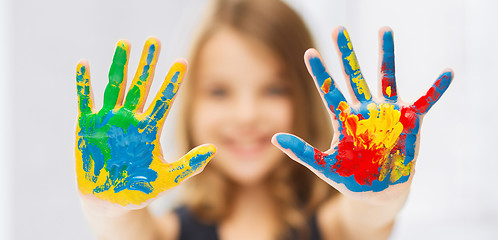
x: 118, y: 153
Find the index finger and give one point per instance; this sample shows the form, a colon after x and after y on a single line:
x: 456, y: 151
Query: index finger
x: 162, y: 102
x: 331, y: 95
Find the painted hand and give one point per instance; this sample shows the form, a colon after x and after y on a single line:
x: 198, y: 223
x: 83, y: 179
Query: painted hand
x: 118, y: 154
x: 375, y: 140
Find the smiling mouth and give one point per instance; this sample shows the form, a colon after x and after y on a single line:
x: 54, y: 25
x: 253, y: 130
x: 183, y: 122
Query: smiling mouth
x: 248, y: 148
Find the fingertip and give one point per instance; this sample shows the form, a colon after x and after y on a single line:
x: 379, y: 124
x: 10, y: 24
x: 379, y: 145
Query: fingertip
x: 444, y: 79
x: 124, y: 44
x: 288, y: 141
x: 181, y: 64
x: 449, y: 72
x: 201, y: 156
x: 83, y: 62
x: 82, y: 66
x: 153, y: 45
x: 386, y: 39
x: 210, y: 148
x: 153, y: 40
x: 336, y: 31
x: 342, y: 40
x: 385, y: 29
x: 310, y: 53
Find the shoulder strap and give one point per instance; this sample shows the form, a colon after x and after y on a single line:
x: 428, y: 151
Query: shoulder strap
x: 193, y: 229
x: 315, y: 231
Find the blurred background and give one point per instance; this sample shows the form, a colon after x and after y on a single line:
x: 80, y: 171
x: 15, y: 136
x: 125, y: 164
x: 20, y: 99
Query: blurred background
x: 454, y: 193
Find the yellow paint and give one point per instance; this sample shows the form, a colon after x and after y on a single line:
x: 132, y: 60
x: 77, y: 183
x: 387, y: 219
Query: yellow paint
x: 326, y: 85
x: 380, y: 132
x: 142, y: 79
x: 177, y: 67
x: 388, y: 91
x: 398, y: 167
x: 167, y: 173
x: 361, y: 84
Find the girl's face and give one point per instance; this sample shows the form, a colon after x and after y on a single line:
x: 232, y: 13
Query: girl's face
x: 241, y: 99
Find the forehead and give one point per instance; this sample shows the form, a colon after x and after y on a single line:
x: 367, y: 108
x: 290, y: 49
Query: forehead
x: 229, y: 55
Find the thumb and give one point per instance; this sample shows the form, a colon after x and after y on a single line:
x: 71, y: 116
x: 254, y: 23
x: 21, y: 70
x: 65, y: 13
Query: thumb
x: 192, y: 163
x: 300, y: 151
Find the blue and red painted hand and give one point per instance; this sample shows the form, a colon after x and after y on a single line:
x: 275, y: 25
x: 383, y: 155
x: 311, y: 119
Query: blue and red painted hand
x: 377, y: 138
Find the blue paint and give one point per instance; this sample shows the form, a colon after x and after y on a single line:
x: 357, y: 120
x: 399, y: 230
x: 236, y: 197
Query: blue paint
x: 388, y: 66
x: 131, y: 156
x: 162, y: 105
x: 92, y: 154
x: 150, y: 57
x: 199, y: 160
x: 334, y: 96
x: 194, y: 163
x: 304, y: 152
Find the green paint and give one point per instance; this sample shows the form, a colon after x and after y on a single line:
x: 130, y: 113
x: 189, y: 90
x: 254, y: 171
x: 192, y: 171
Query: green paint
x: 136, y: 94
x: 116, y: 77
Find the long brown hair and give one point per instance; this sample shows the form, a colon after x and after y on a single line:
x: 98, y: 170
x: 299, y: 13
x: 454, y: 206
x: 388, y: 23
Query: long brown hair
x: 296, y: 190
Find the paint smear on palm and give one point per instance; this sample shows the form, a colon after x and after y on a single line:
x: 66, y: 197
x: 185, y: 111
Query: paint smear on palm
x: 369, y: 149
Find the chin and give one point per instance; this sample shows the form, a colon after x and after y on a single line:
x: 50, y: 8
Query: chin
x: 249, y: 179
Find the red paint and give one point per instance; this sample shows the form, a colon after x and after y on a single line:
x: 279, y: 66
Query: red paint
x: 363, y: 164
x: 425, y: 102
x: 408, y: 118
x: 364, y: 160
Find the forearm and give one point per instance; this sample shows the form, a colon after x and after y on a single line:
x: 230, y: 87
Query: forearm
x: 115, y: 223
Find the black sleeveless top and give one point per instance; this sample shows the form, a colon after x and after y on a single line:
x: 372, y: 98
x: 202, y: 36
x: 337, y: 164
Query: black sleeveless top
x: 192, y: 229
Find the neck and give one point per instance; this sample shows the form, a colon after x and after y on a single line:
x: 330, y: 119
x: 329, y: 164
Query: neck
x: 253, y: 212
x: 253, y: 200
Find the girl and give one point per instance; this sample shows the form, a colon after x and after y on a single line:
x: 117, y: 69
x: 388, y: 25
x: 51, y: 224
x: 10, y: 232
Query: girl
x: 246, y: 82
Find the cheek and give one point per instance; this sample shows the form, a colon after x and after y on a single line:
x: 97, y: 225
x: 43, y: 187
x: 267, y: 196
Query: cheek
x: 206, y: 119
x: 279, y: 114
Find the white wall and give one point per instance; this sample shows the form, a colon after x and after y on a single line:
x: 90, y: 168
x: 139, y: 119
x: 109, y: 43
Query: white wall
x: 5, y: 161
x: 453, y: 193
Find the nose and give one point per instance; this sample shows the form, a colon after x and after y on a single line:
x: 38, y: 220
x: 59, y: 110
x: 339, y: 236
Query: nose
x: 245, y: 109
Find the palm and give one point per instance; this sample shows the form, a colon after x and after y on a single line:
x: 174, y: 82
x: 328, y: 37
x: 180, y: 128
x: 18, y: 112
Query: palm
x: 375, y: 140
x: 118, y: 153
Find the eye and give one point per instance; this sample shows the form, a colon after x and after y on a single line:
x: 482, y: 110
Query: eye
x: 217, y: 92
x: 276, y: 90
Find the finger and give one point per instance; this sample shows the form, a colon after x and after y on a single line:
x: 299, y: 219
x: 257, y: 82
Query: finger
x: 331, y: 95
x: 83, y: 87
x: 350, y: 64
x: 117, y: 75
x: 161, y: 105
x: 302, y: 152
x: 387, y: 70
x: 192, y: 163
x: 139, y: 89
x: 424, y: 103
